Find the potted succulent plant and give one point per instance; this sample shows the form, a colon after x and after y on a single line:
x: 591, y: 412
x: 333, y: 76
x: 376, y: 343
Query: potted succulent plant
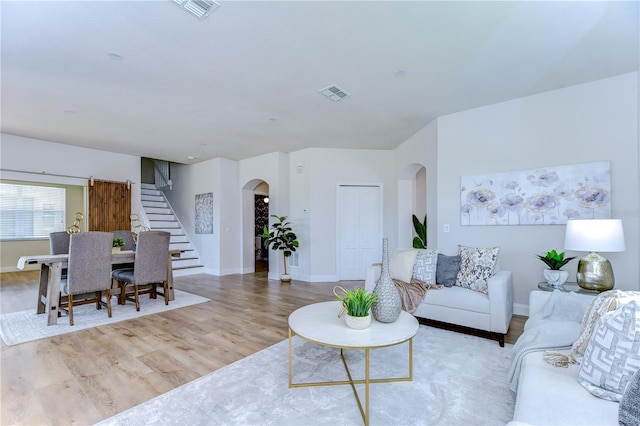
x: 357, y: 303
x: 118, y: 243
x: 281, y: 238
x: 554, y: 260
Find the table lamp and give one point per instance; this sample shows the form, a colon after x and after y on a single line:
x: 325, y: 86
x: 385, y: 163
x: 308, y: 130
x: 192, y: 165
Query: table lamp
x: 603, y: 235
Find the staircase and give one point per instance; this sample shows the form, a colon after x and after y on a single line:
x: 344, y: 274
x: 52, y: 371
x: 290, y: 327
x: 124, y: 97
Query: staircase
x: 161, y: 218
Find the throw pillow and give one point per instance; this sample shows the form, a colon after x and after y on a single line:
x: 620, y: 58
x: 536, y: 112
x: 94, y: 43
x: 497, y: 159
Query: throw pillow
x: 447, y: 269
x: 613, y: 354
x: 424, y: 269
x: 629, y: 410
x: 476, y: 267
x: 401, y: 264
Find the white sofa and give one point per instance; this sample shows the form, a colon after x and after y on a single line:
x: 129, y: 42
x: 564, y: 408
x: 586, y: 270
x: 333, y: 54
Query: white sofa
x: 463, y: 307
x: 548, y: 395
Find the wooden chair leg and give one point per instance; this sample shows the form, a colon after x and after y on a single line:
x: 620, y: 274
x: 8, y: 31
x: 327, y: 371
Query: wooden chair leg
x: 165, y: 290
x: 98, y: 300
x: 70, y: 299
x: 135, y: 289
x: 109, y: 303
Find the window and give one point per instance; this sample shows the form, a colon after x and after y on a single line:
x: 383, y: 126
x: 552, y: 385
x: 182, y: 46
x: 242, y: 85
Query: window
x: 28, y: 212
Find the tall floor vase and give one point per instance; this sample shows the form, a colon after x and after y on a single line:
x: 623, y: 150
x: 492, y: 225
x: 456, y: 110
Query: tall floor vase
x: 389, y: 305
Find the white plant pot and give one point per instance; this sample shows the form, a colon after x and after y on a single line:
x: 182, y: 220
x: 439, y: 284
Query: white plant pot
x: 285, y: 278
x: 358, y: 323
x: 555, y: 278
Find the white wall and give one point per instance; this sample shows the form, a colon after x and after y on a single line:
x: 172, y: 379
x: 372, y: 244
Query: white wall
x: 31, y: 157
x: 585, y: 123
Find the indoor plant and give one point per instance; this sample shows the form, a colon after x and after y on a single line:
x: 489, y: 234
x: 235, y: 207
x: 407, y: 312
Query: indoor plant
x: 420, y: 242
x: 281, y: 238
x: 357, y: 303
x: 554, y: 260
x: 118, y: 243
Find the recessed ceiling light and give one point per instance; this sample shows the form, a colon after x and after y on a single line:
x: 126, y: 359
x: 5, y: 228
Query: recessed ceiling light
x: 115, y: 56
x: 334, y: 93
x: 191, y: 157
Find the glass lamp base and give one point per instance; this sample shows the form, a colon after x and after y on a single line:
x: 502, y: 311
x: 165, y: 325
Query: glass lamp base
x: 595, y: 273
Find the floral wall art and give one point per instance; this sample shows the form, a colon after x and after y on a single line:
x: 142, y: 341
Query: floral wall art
x: 544, y: 196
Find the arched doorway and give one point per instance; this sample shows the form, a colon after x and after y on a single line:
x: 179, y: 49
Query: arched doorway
x: 255, y: 215
x: 412, y: 199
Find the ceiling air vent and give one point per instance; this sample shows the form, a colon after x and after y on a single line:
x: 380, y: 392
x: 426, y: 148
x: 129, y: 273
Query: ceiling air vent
x: 334, y: 93
x: 199, y: 8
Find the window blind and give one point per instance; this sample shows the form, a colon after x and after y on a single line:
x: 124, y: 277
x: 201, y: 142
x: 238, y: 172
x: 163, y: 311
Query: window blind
x: 30, y: 212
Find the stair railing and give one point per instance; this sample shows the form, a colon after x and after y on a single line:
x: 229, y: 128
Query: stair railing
x: 161, y: 175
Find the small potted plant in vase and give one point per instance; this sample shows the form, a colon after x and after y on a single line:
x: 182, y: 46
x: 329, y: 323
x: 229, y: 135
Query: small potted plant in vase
x: 357, y: 303
x: 554, y: 275
x: 118, y: 243
x: 281, y: 238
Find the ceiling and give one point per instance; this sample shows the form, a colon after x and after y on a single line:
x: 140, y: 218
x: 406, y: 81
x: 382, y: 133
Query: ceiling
x: 245, y: 80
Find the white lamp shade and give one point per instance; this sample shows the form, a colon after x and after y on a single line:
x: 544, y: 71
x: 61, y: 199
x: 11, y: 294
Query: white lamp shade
x: 602, y: 235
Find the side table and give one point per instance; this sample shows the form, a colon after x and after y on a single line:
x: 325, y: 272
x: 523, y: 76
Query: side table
x: 566, y: 287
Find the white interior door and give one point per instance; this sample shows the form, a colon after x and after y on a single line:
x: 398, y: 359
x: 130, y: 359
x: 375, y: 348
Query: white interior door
x: 359, y: 230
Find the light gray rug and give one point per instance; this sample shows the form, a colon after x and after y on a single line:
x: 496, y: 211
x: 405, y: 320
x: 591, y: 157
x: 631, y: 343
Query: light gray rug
x: 26, y: 326
x: 458, y: 380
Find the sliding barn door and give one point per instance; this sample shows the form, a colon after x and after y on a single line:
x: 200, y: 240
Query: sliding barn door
x: 109, y: 206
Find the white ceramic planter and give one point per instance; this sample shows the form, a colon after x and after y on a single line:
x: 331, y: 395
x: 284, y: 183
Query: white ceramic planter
x: 358, y: 323
x: 285, y: 278
x: 555, y: 278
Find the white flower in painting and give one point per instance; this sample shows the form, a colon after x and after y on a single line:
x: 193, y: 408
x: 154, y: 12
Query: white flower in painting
x: 540, y: 203
x: 592, y: 197
x: 511, y: 201
x: 496, y: 210
x: 481, y: 197
x: 545, y: 179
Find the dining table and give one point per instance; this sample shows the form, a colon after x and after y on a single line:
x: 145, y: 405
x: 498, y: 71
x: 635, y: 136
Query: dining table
x: 51, y: 266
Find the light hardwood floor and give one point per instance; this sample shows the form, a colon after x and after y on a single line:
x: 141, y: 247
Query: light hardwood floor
x: 90, y: 375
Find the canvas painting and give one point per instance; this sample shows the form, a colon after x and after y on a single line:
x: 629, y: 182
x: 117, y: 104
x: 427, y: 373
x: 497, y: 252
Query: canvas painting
x: 544, y: 196
x: 204, y: 213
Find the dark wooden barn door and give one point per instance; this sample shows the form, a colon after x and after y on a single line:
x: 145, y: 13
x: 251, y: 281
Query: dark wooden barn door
x: 109, y: 206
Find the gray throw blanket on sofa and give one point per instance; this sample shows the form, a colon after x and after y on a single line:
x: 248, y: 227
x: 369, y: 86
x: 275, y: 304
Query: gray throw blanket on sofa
x: 556, y: 327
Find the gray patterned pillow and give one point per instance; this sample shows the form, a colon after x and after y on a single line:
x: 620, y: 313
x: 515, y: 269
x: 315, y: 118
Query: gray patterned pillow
x: 476, y: 267
x: 613, y: 354
x: 424, y: 268
x: 629, y: 410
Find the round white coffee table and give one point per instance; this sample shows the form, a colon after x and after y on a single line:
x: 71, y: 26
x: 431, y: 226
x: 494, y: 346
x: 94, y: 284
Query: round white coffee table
x: 319, y: 323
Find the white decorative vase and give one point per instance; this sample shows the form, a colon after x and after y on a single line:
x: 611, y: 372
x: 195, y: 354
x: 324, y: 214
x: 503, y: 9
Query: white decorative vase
x: 555, y: 278
x: 358, y: 323
x: 115, y: 249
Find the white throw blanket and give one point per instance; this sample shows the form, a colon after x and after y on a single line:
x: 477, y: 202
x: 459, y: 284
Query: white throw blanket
x: 556, y: 328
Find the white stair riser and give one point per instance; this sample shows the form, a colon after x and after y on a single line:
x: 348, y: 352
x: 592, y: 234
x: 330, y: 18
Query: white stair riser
x: 179, y: 246
x: 183, y: 263
x: 155, y: 192
x: 166, y: 217
x: 155, y: 224
x: 179, y: 239
x: 156, y: 204
x: 172, y: 231
x: 157, y: 210
x: 151, y: 198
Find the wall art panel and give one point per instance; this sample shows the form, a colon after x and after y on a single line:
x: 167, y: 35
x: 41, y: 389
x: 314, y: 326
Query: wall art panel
x: 543, y: 196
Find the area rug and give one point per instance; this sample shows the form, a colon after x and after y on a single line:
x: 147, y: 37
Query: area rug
x: 26, y: 326
x: 457, y: 380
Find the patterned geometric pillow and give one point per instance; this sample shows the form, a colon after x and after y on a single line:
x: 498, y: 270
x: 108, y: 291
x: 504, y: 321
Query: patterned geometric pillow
x: 613, y: 354
x: 424, y: 268
x: 476, y: 267
x: 629, y: 410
